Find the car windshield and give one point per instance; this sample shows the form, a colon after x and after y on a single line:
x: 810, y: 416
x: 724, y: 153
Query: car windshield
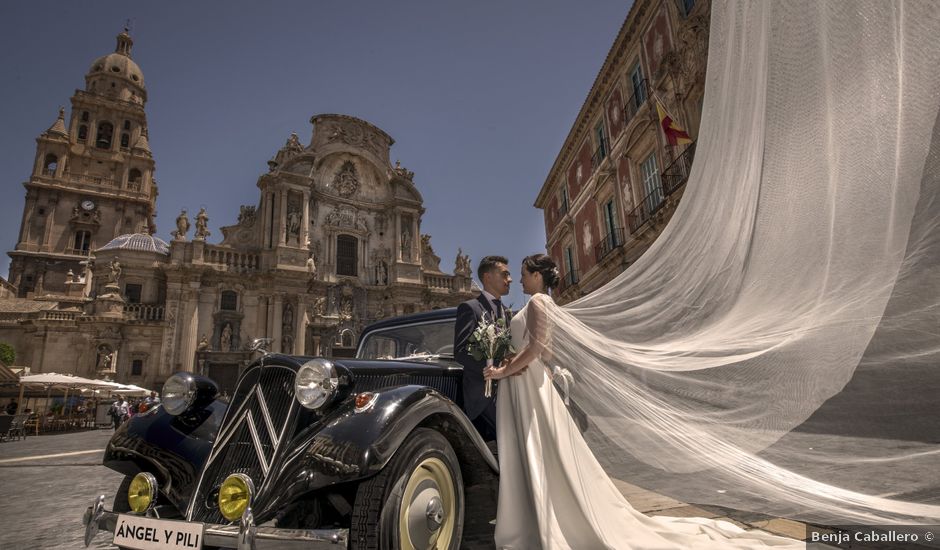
x: 431, y: 338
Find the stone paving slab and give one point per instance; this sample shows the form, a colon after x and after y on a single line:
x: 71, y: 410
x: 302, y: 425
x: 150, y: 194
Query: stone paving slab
x: 43, y: 500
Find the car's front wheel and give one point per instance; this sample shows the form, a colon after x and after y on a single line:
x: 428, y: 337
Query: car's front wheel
x: 416, y: 502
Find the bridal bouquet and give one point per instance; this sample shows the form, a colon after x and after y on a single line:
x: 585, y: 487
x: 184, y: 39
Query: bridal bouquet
x: 490, y: 341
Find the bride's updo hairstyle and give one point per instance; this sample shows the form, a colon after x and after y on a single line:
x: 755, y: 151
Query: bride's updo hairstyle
x: 545, y: 265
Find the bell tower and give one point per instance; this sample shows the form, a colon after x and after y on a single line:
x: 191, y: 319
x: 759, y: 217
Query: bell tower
x: 92, y: 177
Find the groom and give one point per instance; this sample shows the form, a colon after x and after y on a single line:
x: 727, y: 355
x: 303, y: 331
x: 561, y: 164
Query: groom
x: 493, y: 273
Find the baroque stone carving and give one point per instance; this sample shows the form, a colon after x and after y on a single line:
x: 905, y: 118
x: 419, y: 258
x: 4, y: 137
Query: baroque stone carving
x: 225, y: 341
x: 356, y: 135
x: 346, y: 180
x: 202, y: 225
x: 429, y: 260
x: 293, y: 219
x: 182, y: 226
x: 247, y: 215
x: 462, y: 264
x: 403, y: 172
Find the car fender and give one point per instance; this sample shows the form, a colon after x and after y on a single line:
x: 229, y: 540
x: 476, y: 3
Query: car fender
x: 173, y: 448
x: 348, y: 445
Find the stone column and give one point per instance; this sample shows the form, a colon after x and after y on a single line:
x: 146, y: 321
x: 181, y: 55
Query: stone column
x: 316, y: 346
x: 27, y: 219
x: 300, y: 328
x: 281, y: 226
x: 305, y: 228
x: 50, y: 221
x: 398, y: 236
x: 278, y: 314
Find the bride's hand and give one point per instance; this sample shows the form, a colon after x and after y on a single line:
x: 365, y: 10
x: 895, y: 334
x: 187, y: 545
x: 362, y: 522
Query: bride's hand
x: 495, y: 373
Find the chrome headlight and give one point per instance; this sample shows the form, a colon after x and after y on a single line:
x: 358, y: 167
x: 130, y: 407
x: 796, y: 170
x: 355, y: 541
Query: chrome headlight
x: 316, y: 383
x: 184, y: 391
x: 179, y: 392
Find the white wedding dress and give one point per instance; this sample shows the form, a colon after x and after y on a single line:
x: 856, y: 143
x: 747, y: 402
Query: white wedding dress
x: 554, y: 494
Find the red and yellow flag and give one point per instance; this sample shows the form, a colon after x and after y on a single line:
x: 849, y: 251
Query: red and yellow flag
x: 674, y: 134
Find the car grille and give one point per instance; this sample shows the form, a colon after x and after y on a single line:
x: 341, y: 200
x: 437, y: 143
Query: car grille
x: 445, y: 385
x: 259, y: 418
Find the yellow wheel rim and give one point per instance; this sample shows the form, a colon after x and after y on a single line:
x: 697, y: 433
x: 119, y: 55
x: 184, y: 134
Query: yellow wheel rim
x: 428, y: 515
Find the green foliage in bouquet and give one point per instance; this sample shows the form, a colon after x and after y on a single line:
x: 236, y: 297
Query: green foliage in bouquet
x: 490, y: 340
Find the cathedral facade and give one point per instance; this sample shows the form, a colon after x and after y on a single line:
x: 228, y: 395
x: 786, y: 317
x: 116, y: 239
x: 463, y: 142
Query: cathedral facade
x: 333, y: 244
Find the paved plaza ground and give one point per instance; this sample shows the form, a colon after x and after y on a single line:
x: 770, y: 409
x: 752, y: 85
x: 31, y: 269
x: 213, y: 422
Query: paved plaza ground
x: 49, y: 480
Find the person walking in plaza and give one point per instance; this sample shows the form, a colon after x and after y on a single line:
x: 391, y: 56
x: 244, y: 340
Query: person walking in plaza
x: 119, y: 412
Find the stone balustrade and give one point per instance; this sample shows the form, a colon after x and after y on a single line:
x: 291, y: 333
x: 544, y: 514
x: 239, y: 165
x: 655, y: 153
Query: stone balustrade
x: 143, y: 312
x: 230, y: 260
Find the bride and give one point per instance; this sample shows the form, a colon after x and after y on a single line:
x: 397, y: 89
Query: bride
x: 553, y: 493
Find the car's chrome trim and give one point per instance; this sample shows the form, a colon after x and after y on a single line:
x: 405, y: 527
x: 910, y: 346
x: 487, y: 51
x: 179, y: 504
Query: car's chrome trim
x: 230, y: 536
x: 230, y: 426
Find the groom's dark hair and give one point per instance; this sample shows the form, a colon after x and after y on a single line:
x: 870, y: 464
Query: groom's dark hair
x: 488, y: 263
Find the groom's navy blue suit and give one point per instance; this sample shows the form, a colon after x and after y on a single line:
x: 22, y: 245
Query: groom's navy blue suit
x: 480, y: 410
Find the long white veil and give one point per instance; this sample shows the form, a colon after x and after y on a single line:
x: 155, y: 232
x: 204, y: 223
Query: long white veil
x: 778, y: 347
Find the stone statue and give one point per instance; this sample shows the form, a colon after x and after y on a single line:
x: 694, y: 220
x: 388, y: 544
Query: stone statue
x: 104, y: 358
x: 288, y: 318
x: 202, y: 225
x: 406, y: 244
x: 182, y: 226
x: 462, y: 264
x: 293, y: 223
x: 203, y: 343
x: 225, y: 342
x: 311, y: 266
x: 116, y: 270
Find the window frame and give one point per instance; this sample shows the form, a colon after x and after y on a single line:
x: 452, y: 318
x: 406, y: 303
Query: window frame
x: 344, y: 261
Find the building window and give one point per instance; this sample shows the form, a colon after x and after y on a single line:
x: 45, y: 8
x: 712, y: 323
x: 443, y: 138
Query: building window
x: 134, y: 176
x: 132, y: 293
x: 651, y: 183
x: 688, y: 5
x: 563, y: 201
x: 346, y: 255
x: 50, y: 164
x: 127, y: 125
x: 82, y: 132
x: 639, y: 88
x: 348, y: 339
x: 125, y: 140
x: 610, y: 218
x: 229, y: 300
x: 600, y: 139
x: 137, y: 367
x: 84, y: 116
x: 571, y: 274
x: 105, y: 132
x: 82, y: 241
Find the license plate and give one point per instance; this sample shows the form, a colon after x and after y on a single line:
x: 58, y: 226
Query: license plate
x: 144, y: 533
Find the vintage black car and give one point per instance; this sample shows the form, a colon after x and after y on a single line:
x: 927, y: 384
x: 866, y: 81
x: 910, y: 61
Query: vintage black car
x: 371, y: 452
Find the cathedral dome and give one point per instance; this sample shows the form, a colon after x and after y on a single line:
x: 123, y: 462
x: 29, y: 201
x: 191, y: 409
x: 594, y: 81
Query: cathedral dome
x: 119, y: 64
x: 140, y: 242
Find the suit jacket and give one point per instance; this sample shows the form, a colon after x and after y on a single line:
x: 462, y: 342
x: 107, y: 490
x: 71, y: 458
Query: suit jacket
x: 469, y: 314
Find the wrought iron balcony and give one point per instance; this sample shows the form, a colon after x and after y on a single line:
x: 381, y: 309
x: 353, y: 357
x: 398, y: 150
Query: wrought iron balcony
x: 637, y: 100
x: 677, y: 173
x: 609, y: 243
x: 650, y: 204
x: 672, y: 179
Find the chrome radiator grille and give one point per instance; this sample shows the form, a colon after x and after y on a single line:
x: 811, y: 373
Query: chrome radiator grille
x: 259, y: 419
x: 445, y: 385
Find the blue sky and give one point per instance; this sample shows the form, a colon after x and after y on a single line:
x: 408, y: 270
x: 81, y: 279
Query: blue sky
x: 479, y: 97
